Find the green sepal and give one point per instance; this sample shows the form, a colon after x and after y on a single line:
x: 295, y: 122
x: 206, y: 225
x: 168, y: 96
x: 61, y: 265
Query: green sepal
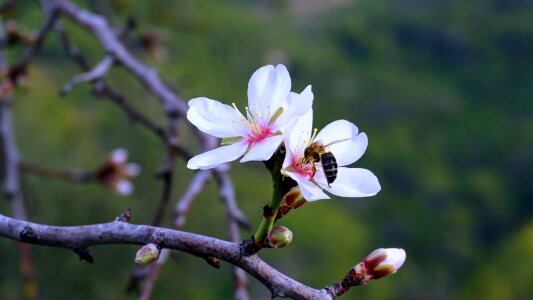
x: 230, y: 141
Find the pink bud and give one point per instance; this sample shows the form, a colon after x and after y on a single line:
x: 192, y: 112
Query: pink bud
x: 381, y: 262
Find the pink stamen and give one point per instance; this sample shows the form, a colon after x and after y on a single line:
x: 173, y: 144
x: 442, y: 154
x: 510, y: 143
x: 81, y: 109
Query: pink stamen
x: 258, y: 133
x: 299, y: 167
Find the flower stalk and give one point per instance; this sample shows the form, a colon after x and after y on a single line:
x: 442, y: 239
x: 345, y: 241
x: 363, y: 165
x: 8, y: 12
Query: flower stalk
x: 271, y: 209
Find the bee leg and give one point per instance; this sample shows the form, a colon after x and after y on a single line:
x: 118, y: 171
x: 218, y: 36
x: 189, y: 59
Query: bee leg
x: 314, y: 172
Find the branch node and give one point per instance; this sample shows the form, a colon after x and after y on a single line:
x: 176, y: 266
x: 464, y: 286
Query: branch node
x: 125, y: 216
x: 248, y: 247
x: 84, y: 254
x: 212, y: 261
x: 159, y: 239
x: 28, y: 235
x: 268, y: 212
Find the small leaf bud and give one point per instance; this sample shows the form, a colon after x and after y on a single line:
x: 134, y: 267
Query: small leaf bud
x: 279, y: 237
x: 147, y: 254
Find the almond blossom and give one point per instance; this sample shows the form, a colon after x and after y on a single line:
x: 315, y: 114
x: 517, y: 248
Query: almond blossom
x: 116, y: 170
x: 347, y: 145
x: 257, y: 133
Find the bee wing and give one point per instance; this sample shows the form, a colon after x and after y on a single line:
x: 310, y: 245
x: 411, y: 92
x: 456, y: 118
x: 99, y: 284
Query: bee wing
x: 336, y: 141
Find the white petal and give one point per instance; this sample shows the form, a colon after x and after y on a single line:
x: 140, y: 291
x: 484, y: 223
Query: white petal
x: 133, y: 169
x: 299, y: 134
x: 350, y: 182
x: 295, y: 106
x: 212, y: 158
x: 264, y: 149
x: 309, y: 190
x: 395, y: 257
x: 346, y: 144
x: 119, y: 156
x: 215, y: 118
x: 124, y: 187
x: 267, y: 89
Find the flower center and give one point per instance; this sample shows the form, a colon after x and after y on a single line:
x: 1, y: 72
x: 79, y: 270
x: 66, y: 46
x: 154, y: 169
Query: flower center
x: 300, y: 166
x: 259, y: 127
x: 257, y: 133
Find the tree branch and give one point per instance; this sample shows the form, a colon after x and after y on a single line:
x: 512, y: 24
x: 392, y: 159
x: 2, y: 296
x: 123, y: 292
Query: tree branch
x: 117, y: 232
x: 94, y: 74
x: 234, y: 218
x: 67, y: 175
x: 100, y: 27
x: 20, y: 68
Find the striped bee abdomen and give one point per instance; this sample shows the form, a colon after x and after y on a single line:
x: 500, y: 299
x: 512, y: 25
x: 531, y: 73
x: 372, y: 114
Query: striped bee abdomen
x: 329, y: 164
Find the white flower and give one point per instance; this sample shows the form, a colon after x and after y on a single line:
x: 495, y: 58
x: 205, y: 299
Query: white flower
x: 342, y: 139
x: 116, y: 170
x: 271, y: 108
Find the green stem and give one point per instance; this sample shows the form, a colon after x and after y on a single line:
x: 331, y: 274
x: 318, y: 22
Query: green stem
x: 270, y: 211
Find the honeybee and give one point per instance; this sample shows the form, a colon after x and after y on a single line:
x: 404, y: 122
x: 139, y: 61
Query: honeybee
x: 318, y: 152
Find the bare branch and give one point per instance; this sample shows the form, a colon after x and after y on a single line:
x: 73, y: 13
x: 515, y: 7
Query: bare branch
x: 20, y: 68
x: 227, y: 194
x: 94, y: 74
x: 79, y: 237
x: 101, y: 89
x: 234, y: 218
x: 100, y: 27
x: 67, y: 175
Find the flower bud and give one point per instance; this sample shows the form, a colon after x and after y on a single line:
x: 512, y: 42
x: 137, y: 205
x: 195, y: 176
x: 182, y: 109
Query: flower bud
x: 292, y: 200
x: 381, y: 262
x: 279, y: 237
x: 147, y: 254
x: 115, y: 172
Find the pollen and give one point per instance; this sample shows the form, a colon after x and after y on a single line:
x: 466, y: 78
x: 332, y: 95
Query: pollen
x: 257, y: 128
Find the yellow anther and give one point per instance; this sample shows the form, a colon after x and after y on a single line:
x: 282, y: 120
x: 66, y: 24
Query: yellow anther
x: 234, y: 106
x: 313, y: 137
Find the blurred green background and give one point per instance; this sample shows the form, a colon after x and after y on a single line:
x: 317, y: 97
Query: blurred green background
x: 443, y: 89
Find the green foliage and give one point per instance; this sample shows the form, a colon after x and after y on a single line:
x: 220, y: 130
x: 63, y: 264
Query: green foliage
x: 442, y: 88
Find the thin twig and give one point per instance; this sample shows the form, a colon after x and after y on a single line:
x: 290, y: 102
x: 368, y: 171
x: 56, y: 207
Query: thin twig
x: 67, y: 175
x: 94, y: 74
x: 227, y: 195
x: 234, y: 218
x: 101, y: 89
x: 20, y: 68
